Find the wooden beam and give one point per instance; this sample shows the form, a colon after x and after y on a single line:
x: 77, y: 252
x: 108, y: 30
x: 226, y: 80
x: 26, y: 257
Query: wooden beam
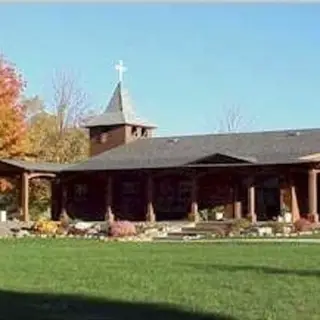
x: 25, y: 196
x: 194, y: 198
x: 237, y: 209
x: 41, y: 175
x: 313, y: 194
x: 282, y: 186
x: 64, y: 198
x: 252, y: 200
x: 151, y: 217
x: 109, y: 216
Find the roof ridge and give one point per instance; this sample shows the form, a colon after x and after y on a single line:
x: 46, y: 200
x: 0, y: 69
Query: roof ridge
x: 200, y: 135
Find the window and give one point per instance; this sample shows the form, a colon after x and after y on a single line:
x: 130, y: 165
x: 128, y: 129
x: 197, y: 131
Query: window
x: 134, y: 131
x: 103, y: 137
x: 144, y: 132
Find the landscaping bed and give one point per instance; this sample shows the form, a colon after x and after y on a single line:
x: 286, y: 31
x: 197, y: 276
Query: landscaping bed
x: 178, y: 231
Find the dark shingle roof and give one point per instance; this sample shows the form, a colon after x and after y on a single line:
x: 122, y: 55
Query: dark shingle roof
x: 119, y: 111
x: 269, y: 147
x: 35, y: 166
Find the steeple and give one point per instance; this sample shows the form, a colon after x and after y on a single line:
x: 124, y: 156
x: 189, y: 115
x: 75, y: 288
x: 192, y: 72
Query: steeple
x: 118, y: 124
x: 119, y: 111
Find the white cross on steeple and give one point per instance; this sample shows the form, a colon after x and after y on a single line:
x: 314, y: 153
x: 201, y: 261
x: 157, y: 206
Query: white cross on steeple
x: 121, y: 69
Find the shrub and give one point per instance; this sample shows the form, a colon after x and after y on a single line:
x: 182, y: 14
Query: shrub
x: 210, y: 213
x: 240, y: 225
x: 303, y: 225
x: 43, y: 226
x: 311, y: 217
x: 122, y: 229
x: 64, y: 220
x: 219, y: 232
x: 276, y: 226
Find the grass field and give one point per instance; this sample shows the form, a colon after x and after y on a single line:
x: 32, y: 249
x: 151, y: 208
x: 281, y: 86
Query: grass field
x: 81, y: 279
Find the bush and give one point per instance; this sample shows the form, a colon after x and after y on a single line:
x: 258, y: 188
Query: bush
x: 210, y: 213
x: 65, y: 220
x: 276, y: 226
x: 302, y: 225
x: 122, y: 229
x: 43, y: 226
x: 219, y: 232
x: 311, y: 217
x: 240, y: 225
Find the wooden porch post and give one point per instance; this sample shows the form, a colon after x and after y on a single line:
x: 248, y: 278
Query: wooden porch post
x: 54, y: 212
x: 293, y: 197
x: 109, y: 216
x: 237, y: 204
x: 150, y: 216
x: 64, y: 196
x: 251, y: 200
x: 282, y: 193
x: 194, y: 198
x: 25, y: 196
x: 313, y: 194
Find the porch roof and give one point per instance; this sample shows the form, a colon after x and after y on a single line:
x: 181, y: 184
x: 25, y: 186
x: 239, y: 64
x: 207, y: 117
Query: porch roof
x: 252, y: 148
x: 12, y: 165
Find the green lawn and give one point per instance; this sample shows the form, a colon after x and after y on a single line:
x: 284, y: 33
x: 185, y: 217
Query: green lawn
x: 81, y: 279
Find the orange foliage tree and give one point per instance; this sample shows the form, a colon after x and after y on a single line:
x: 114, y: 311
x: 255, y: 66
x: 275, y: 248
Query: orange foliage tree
x: 13, y: 134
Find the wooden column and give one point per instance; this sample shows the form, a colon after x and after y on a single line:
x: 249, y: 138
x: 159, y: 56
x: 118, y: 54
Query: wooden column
x: 294, y: 208
x: 25, y: 196
x: 150, y: 217
x: 313, y: 194
x: 109, y: 216
x: 282, y: 193
x: 53, y: 196
x: 237, y: 203
x: 252, y: 200
x: 194, y: 199
x: 64, y: 198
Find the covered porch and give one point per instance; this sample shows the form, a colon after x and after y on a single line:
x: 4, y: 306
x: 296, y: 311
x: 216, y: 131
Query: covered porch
x: 255, y: 192
x: 21, y: 173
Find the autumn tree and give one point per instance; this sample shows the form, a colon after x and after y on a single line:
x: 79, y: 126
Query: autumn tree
x: 13, y: 141
x: 55, y: 131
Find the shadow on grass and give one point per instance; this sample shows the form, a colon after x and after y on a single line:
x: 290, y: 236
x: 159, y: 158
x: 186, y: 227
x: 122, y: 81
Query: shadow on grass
x: 36, y: 306
x: 258, y: 269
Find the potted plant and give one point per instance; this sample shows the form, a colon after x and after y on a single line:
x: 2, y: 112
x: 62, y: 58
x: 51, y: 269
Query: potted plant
x: 286, y: 214
x: 204, y: 215
x: 3, y: 211
x: 218, y: 212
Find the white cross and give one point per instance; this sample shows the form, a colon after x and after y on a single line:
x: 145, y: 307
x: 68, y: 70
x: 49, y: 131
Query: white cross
x: 121, y: 69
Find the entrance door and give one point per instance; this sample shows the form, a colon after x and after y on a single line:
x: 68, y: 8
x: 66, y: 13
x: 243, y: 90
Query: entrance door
x: 268, y: 199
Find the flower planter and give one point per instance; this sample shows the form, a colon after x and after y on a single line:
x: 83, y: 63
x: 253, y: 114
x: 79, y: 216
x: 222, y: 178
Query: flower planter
x: 288, y: 217
x: 280, y: 219
x: 219, y: 215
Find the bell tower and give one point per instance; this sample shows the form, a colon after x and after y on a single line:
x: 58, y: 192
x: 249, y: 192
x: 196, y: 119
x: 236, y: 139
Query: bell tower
x: 118, y: 124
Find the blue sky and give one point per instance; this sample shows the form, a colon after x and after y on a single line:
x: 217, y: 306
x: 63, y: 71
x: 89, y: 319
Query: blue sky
x: 186, y: 63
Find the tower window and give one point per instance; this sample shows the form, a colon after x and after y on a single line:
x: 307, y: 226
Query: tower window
x: 134, y: 131
x: 103, y: 137
x: 144, y: 132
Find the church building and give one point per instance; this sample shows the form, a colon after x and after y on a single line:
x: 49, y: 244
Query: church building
x: 131, y: 175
